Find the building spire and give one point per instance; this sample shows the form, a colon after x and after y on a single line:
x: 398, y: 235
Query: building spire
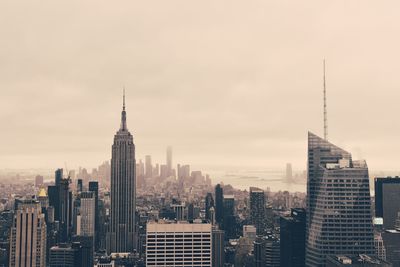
x: 123, y: 100
x: 325, y: 109
x: 123, y: 114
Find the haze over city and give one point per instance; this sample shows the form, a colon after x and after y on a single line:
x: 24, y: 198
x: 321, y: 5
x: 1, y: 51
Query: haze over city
x: 227, y: 83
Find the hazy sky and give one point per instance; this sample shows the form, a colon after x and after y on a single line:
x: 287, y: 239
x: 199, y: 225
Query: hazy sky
x: 224, y: 82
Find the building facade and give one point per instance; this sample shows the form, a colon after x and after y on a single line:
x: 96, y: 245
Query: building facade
x: 28, y: 236
x: 179, y: 244
x: 339, y: 217
x: 121, y: 236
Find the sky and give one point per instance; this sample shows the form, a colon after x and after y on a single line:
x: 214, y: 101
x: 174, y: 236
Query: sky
x: 225, y: 83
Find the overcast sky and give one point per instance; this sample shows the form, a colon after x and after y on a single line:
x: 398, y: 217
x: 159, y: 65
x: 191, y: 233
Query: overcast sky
x: 234, y: 83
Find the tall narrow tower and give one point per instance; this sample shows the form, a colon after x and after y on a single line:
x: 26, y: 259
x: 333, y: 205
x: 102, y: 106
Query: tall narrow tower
x: 325, y: 109
x: 121, y: 236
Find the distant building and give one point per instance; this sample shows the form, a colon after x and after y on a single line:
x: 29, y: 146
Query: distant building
x: 170, y: 243
x: 293, y: 238
x: 257, y: 209
x: 361, y: 260
x: 339, y: 216
x: 179, y: 210
x: 219, y: 204
x: 229, y: 219
x: 387, y: 199
x: 28, y: 236
x: 289, y: 172
x: 149, y: 167
x: 38, y: 181
x: 94, y: 187
x: 209, y: 204
x: 87, y: 214
x: 169, y: 161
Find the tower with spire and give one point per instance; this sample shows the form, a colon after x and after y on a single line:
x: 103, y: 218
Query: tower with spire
x: 121, y: 236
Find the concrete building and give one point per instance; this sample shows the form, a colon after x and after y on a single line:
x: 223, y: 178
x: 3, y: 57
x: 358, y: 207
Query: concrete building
x: 28, y: 236
x: 257, y: 209
x: 178, y: 244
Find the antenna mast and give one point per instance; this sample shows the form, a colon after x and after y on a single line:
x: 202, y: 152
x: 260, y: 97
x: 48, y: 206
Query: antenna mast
x: 325, y: 111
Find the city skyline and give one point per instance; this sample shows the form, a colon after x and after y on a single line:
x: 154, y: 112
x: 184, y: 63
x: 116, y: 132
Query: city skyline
x: 251, y: 106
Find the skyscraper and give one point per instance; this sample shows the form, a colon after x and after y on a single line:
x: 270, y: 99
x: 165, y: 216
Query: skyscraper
x: 229, y: 220
x: 65, y: 209
x: 94, y: 187
x: 169, y: 161
x: 292, y: 236
x: 257, y: 208
x: 87, y: 214
x: 209, y: 203
x: 28, y: 236
x: 121, y: 236
x: 219, y: 203
x: 338, y: 203
x: 59, y: 176
x: 149, y: 167
x: 387, y: 199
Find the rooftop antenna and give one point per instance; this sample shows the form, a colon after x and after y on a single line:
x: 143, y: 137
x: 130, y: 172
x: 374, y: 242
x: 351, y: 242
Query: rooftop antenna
x: 325, y: 111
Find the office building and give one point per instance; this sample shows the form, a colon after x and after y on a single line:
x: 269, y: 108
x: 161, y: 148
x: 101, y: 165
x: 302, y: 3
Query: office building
x: 361, y: 260
x: 219, y: 204
x: 208, y: 204
x: 250, y: 232
x: 387, y: 199
x: 179, y: 210
x: 149, y: 167
x: 257, y: 209
x: 391, y: 242
x: 267, y: 251
x: 38, y: 181
x: 169, y: 161
x: 218, y: 253
x: 178, y: 244
x: 229, y: 219
x: 94, y: 187
x: 121, y: 236
x: 339, y: 217
x: 58, y: 176
x: 64, y: 255
x: 65, y: 209
x: 87, y: 214
x: 292, y: 238
x: 28, y: 236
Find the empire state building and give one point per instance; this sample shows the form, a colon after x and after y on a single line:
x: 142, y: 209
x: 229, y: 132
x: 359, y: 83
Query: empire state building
x: 121, y: 235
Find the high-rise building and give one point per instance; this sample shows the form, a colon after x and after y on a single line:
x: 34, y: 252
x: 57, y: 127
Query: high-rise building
x: 289, y: 172
x: 267, y: 251
x: 387, y: 199
x: 59, y: 176
x: 250, y: 232
x: 28, y: 236
x: 80, y: 185
x: 178, y: 244
x: 149, y: 167
x: 65, y: 255
x: 293, y: 238
x: 169, y: 161
x: 87, y: 214
x: 219, y: 204
x: 339, y: 217
x: 38, y: 180
x: 229, y: 220
x: 65, y: 209
x: 179, y: 210
x: 257, y: 209
x: 94, y: 187
x: 218, y: 254
x: 121, y: 236
x: 209, y: 203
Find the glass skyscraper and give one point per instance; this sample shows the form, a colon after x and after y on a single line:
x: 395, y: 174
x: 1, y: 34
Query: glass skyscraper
x: 339, y: 217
